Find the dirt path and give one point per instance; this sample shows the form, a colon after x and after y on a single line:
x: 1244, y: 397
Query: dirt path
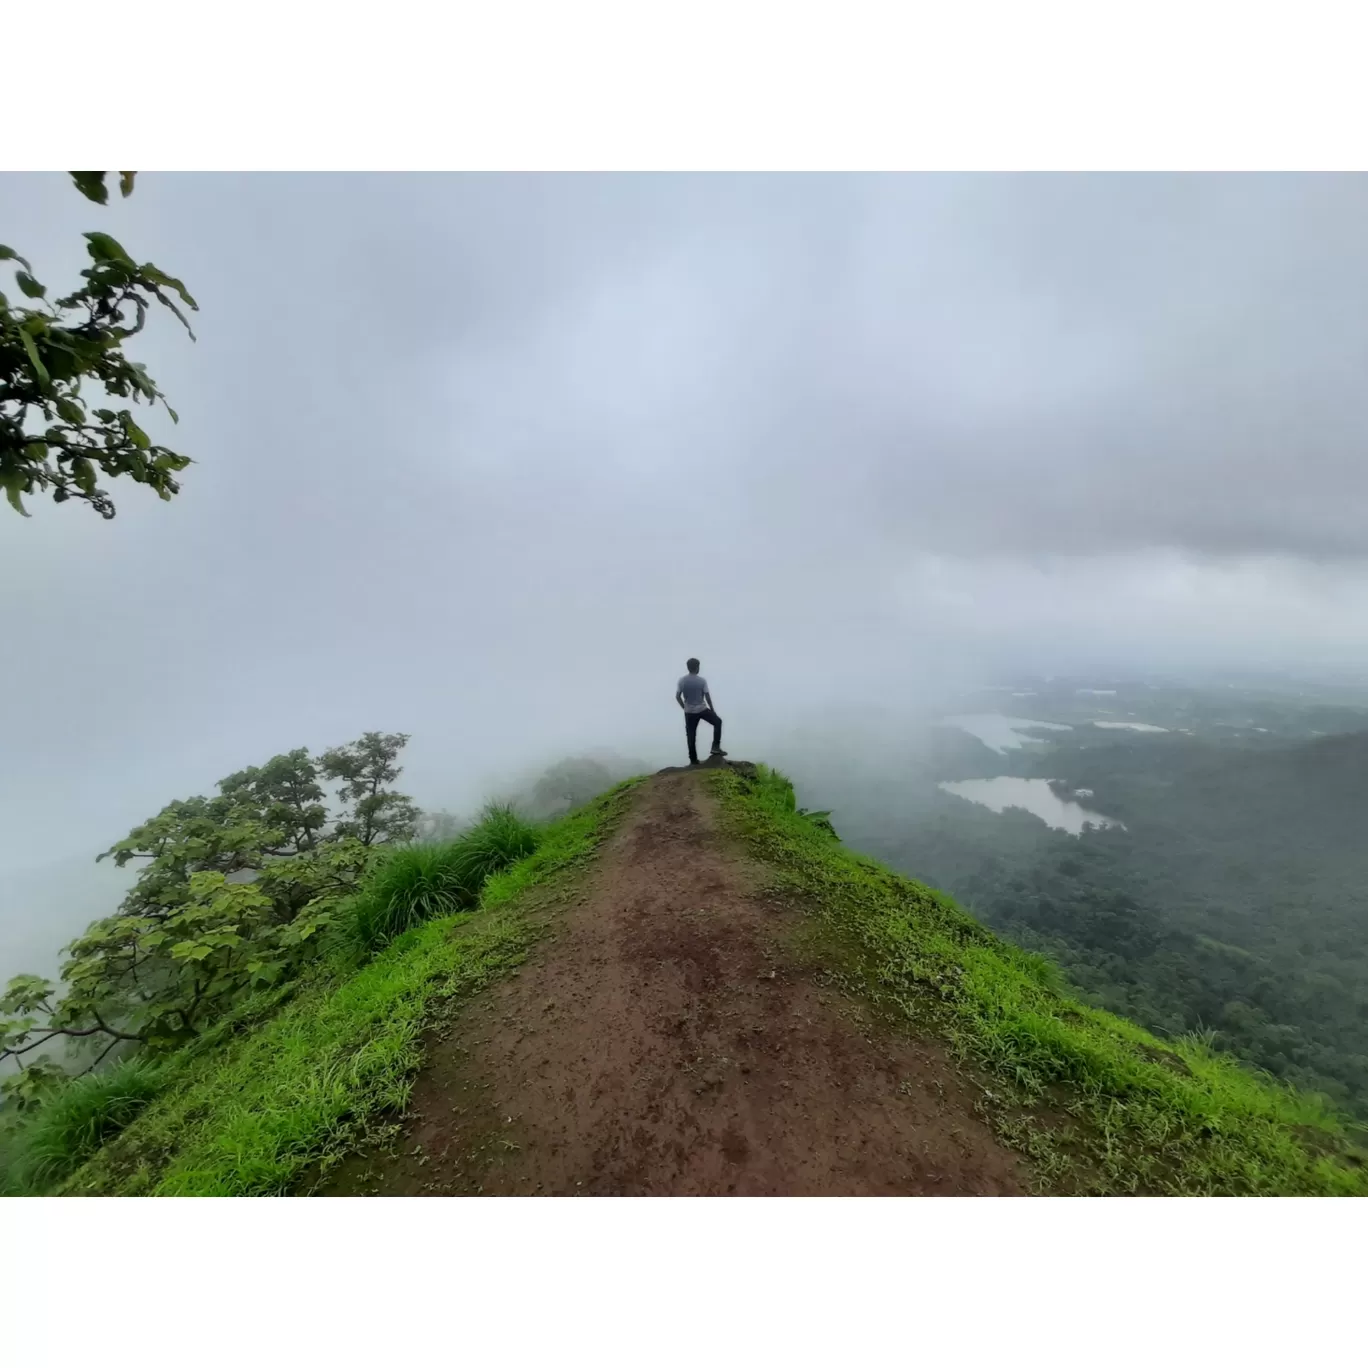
x: 662, y: 1040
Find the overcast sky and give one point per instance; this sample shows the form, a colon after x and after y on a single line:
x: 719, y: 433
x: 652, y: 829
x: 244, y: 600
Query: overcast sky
x: 484, y: 459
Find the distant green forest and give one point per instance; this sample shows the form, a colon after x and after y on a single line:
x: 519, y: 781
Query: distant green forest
x: 1234, y: 901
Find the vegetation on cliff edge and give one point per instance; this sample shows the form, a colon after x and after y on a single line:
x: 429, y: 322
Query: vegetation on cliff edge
x: 1097, y: 1103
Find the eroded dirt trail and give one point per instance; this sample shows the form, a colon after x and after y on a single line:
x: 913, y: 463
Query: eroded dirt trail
x: 662, y: 1040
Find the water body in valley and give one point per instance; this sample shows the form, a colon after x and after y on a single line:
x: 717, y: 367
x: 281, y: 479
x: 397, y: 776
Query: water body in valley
x: 1002, y: 733
x: 1034, y: 795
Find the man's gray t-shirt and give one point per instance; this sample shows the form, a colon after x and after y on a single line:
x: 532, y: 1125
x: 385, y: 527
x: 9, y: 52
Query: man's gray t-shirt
x: 693, y: 687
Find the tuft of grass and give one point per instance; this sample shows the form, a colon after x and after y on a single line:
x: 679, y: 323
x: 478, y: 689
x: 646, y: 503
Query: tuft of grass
x: 501, y: 838
x: 418, y: 883
x: 1095, y: 1102
x: 71, y: 1125
x: 273, y: 1108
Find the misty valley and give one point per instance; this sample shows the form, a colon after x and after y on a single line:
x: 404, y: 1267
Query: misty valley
x: 1192, y: 857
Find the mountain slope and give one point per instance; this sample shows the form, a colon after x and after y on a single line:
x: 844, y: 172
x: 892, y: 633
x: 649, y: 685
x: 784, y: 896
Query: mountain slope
x: 735, y: 1003
x: 694, y: 988
x: 668, y: 1041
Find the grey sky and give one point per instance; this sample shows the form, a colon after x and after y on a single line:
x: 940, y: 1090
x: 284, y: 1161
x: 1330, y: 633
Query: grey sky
x: 485, y: 459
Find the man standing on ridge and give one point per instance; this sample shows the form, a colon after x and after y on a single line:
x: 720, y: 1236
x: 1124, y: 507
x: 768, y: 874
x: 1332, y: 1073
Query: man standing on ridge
x: 692, y: 695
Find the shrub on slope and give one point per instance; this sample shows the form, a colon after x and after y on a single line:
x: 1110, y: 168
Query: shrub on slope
x: 71, y: 1125
x: 417, y: 883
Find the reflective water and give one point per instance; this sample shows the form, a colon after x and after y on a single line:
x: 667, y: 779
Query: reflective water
x: 1001, y: 733
x: 1034, y: 795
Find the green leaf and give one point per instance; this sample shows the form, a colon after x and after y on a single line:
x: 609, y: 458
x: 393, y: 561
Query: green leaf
x: 13, y: 482
x: 170, y: 304
x: 102, y: 247
x: 126, y: 183
x: 24, y: 992
x: 136, y: 435
x: 9, y: 254
x: 159, y: 277
x: 36, y: 451
x: 39, y: 369
x: 30, y: 286
x: 143, y: 381
x: 84, y: 472
x: 92, y: 185
x: 71, y: 411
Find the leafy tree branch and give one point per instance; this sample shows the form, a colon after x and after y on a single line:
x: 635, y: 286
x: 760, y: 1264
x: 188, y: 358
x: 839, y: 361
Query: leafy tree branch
x: 51, y: 440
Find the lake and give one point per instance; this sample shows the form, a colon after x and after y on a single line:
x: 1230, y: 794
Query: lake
x: 1001, y: 733
x: 1034, y: 795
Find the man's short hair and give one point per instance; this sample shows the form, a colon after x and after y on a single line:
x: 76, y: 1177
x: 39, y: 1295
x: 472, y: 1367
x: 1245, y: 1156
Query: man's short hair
x: 692, y: 665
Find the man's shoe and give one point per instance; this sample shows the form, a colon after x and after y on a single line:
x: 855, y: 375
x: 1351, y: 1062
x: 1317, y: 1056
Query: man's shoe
x: 717, y: 753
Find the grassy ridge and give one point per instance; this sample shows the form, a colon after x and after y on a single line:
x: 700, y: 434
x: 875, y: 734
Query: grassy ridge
x: 1098, y: 1104
x: 266, y: 1111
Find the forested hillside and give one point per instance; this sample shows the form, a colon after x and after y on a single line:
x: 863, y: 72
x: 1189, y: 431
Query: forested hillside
x: 1234, y: 900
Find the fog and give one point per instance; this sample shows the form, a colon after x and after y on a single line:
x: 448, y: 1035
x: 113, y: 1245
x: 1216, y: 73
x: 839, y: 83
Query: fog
x: 485, y: 459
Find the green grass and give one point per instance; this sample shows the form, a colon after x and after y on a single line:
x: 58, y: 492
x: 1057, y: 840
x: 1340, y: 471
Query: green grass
x: 1098, y: 1104
x: 272, y: 1109
x: 1093, y: 1102
x: 416, y: 883
x: 72, y: 1125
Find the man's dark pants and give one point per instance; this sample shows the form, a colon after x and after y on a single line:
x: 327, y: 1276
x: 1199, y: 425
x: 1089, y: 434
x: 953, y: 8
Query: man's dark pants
x: 691, y: 721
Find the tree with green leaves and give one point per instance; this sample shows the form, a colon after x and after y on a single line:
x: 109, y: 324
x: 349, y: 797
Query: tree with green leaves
x: 374, y: 813
x: 568, y: 784
x: 572, y: 782
x: 287, y: 793
x: 234, y: 894
x: 439, y: 826
x: 51, y: 440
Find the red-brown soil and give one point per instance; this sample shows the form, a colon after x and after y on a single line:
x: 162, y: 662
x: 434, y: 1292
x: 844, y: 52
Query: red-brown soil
x: 665, y: 1038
